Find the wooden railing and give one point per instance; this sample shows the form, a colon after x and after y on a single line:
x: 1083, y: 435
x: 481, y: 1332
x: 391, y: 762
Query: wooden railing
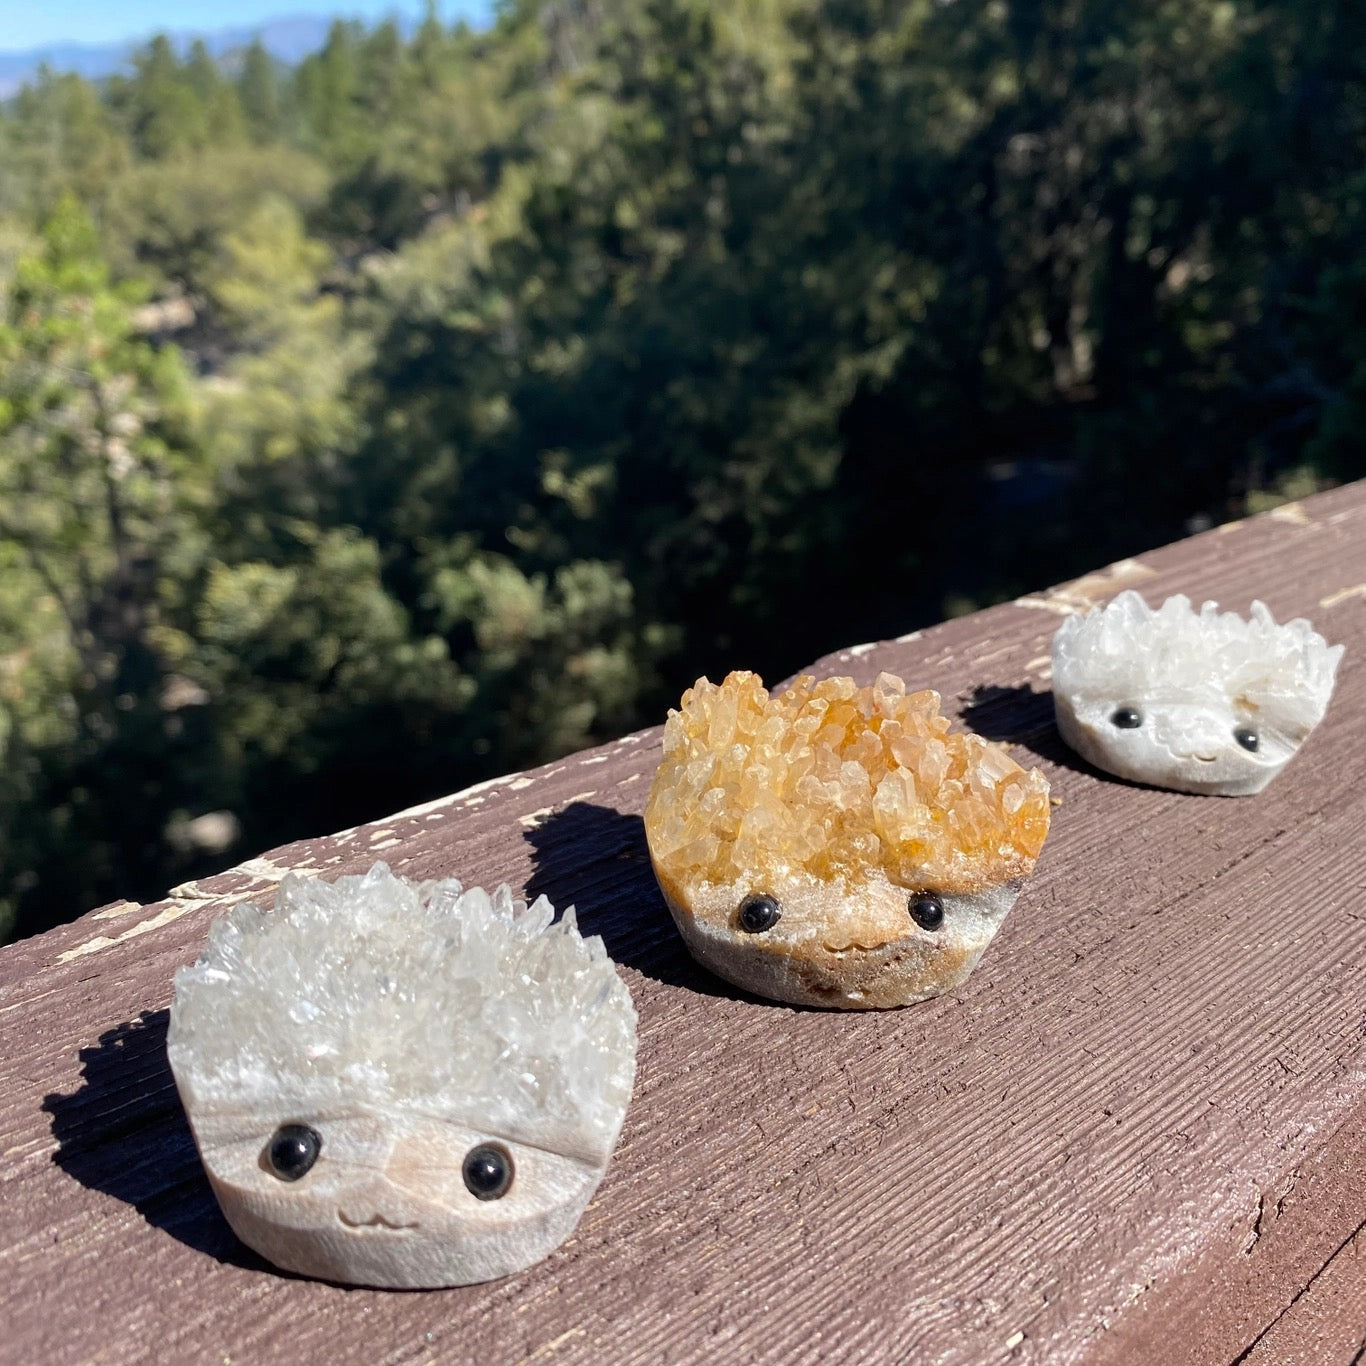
x: 1137, y: 1133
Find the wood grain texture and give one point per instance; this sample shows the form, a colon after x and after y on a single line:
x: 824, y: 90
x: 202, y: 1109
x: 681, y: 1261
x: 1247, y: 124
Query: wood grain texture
x: 1141, y: 1122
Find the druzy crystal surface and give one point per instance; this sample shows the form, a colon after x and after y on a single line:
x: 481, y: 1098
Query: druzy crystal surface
x: 406, y: 1027
x: 842, y: 803
x: 1203, y: 701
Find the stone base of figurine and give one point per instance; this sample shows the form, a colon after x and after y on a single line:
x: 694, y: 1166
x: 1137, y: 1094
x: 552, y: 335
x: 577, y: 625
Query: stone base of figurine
x: 1154, y: 767
x: 827, y: 965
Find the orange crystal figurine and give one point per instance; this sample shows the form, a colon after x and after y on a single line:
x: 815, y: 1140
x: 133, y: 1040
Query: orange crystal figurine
x: 836, y: 845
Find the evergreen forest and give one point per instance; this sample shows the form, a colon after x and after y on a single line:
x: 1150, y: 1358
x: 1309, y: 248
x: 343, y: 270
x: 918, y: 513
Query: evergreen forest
x: 451, y: 400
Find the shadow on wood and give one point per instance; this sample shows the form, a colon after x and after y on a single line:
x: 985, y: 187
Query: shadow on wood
x: 1022, y: 717
x: 124, y: 1132
x: 596, y: 859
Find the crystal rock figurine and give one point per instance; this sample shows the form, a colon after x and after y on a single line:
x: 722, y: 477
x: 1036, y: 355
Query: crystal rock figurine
x: 402, y: 1085
x: 1194, y: 701
x: 836, y: 845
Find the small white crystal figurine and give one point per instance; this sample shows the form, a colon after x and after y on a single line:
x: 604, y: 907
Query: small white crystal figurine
x: 402, y: 1085
x: 1198, y: 702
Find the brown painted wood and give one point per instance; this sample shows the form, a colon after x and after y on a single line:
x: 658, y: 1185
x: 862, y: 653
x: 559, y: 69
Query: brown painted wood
x: 1322, y: 1322
x: 1139, y: 1128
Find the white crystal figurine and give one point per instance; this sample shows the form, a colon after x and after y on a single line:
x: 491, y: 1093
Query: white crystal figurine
x: 402, y: 1085
x: 1198, y: 702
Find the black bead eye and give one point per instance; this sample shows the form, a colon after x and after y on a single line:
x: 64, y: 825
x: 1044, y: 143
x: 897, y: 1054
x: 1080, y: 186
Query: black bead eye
x: 927, y: 910
x: 487, y: 1171
x: 1246, y: 737
x: 293, y: 1150
x: 1126, y: 718
x: 759, y: 913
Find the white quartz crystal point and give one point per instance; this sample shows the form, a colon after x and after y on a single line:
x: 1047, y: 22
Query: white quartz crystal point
x: 402, y: 1085
x: 1194, y: 701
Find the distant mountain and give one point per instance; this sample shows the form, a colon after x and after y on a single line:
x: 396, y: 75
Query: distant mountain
x: 290, y: 39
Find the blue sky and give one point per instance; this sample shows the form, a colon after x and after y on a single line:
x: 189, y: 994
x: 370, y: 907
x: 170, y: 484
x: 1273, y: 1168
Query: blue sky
x: 35, y: 23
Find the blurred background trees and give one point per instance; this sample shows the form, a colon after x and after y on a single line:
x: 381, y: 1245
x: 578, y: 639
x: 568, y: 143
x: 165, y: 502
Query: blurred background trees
x: 453, y: 399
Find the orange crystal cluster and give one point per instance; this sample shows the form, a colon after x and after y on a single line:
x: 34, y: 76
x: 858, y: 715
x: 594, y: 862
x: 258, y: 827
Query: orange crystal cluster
x: 840, y: 782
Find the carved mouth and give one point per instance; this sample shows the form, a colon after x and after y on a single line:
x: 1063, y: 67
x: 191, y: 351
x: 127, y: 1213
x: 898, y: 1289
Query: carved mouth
x: 374, y: 1221
x: 857, y: 945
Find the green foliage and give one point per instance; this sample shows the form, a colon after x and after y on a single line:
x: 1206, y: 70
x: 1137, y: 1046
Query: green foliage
x: 450, y: 401
x: 259, y: 92
x: 265, y: 280
x: 57, y: 138
x: 97, y: 482
x: 336, y: 647
x: 166, y: 219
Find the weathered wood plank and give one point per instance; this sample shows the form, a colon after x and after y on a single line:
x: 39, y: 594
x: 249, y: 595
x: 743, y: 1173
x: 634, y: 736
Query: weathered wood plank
x: 1323, y: 1320
x: 1143, y: 1113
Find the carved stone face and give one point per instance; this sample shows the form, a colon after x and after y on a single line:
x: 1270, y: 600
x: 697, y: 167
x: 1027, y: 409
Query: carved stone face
x: 1202, y: 746
x: 872, y: 946
x: 1204, y: 702
x: 389, y: 1199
